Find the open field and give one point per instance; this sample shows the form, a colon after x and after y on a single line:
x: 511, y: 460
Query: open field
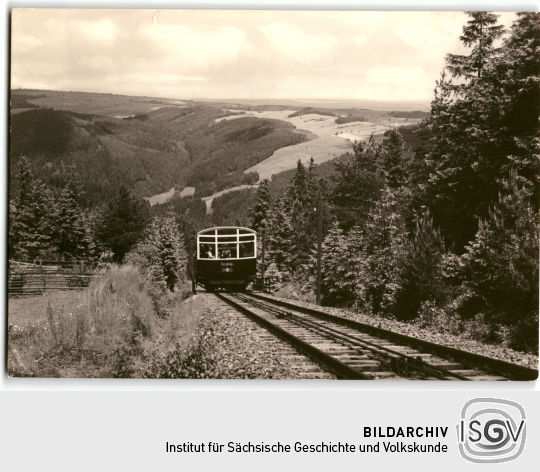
x: 33, y: 310
x: 208, y: 200
x: 321, y: 149
x: 332, y: 139
x: 107, y: 104
x: 166, y: 196
x: 161, y: 197
x: 328, y: 139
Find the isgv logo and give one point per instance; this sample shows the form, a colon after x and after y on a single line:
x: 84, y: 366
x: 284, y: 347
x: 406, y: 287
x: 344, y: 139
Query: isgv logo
x: 491, y: 430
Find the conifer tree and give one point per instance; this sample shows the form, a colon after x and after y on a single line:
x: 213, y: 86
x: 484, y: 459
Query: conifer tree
x: 341, y: 264
x: 168, y: 259
x: 43, y: 206
x: 21, y: 218
x: 312, y: 182
x: 70, y: 233
x: 396, y: 159
x: 483, y: 128
x: 420, y: 274
x: 357, y: 183
x: 480, y: 33
x: 161, y: 253
x: 298, y: 201
x: 468, y: 147
x: 521, y: 68
x: 260, y: 215
x: 293, y: 228
x: 304, y: 199
x: 261, y: 209
x: 297, y: 192
x: 30, y: 217
x: 500, y: 265
x: 519, y: 100
x: 191, y: 217
x: 122, y: 223
x: 380, y: 253
x: 333, y: 247
x: 279, y: 234
x: 90, y: 220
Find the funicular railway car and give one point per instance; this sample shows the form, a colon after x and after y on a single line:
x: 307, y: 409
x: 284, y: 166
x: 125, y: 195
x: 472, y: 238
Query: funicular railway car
x: 226, y: 258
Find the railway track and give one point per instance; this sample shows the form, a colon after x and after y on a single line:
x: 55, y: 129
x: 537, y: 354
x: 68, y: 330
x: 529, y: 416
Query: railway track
x: 273, y: 350
x: 353, y: 350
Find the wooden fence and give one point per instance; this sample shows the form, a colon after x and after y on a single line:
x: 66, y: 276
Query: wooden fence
x: 36, y: 278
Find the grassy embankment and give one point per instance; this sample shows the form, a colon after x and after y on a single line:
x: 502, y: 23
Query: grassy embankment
x: 115, y: 328
x: 119, y: 328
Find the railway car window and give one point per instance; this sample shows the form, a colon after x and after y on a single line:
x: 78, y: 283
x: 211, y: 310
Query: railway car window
x: 247, y: 249
x: 226, y: 243
x: 227, y: 251
x: 207, y: 251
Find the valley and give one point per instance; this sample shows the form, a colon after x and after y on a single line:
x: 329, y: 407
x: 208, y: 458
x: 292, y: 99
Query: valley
x: 162, y: 147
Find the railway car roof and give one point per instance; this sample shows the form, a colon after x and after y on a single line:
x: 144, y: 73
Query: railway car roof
x: 214, y: 228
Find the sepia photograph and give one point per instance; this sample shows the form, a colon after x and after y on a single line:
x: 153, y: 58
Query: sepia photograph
x: 266, y: 194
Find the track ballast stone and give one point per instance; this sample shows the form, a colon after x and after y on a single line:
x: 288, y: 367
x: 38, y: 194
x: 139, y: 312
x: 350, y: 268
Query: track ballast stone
x: 244, y: 350
x: 476, y: 347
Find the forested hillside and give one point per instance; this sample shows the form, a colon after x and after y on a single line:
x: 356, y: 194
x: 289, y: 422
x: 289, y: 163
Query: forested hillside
x: 174, y: 146
x: 227, y: 210
x: 435, y: 225
x: 440, y: 228
x: 104, y: 152
x: 219, y: 152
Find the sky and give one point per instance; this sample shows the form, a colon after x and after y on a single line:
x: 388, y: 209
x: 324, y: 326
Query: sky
x: 217, y: 54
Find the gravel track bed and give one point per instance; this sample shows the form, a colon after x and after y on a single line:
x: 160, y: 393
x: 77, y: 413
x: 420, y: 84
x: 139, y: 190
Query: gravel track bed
x: 476, y: 347
x: 246, y: 350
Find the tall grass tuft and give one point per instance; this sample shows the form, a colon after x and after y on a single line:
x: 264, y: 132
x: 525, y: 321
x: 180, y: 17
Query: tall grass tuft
x: 111, y: 329
x: 107, y: 323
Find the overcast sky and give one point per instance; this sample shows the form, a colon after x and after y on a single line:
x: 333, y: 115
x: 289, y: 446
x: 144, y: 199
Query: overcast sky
x: 235, y: 54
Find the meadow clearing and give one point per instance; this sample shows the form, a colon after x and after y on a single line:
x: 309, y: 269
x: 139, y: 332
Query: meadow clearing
x: 328, y: 138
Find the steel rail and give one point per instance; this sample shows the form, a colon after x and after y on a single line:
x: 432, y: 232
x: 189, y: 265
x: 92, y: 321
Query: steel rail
x: 340, y: 369
x: 401, y: 361
x: 469, y: 359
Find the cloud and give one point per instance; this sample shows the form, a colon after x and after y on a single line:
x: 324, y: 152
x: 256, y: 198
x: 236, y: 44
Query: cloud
x: 394, y: 75
x: 156, y: 77
x: 192, y: 48
x: 25, y: 42
x: 103, y: 30
x: 235, y: 54
x: 403, y: 83
x: 296, y: 43
x: 430, y: 32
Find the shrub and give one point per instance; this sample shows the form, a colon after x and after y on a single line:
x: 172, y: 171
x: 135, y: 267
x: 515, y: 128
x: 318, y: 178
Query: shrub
x: 480, y: 329
x: 441, y: 320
